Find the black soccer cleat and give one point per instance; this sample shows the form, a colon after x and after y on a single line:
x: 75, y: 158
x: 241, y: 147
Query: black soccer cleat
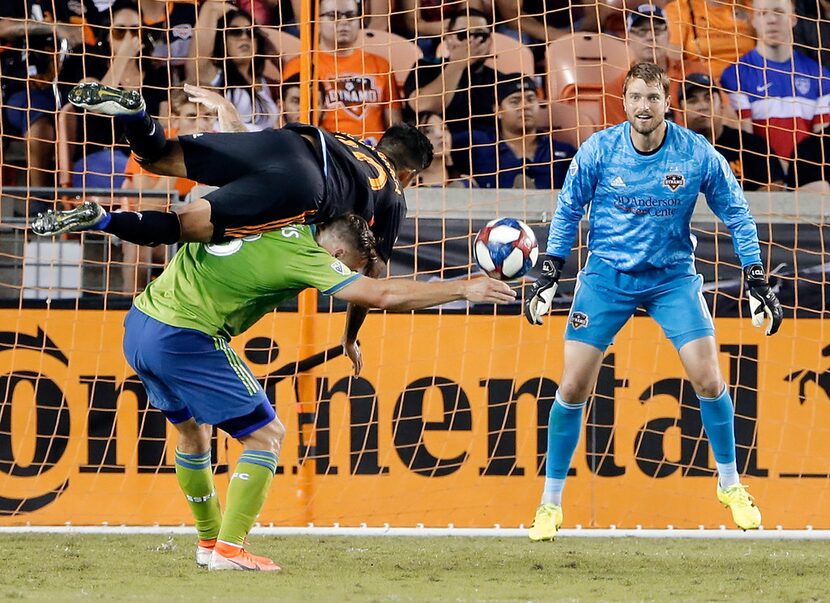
x: 83, y: 217
x: 99, y: 98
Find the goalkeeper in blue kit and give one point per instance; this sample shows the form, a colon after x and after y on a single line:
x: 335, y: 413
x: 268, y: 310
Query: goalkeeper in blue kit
x: 642, y: 179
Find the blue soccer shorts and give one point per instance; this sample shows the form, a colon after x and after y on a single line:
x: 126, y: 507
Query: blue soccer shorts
x: 188, y: 373
x: 605, y: 298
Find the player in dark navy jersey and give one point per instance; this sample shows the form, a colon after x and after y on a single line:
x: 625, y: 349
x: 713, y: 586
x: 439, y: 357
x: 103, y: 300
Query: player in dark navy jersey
x: 267, y: 179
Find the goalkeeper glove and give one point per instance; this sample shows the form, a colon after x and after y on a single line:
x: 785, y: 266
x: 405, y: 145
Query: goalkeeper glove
x: 542, y: 291
x: 763, y: 304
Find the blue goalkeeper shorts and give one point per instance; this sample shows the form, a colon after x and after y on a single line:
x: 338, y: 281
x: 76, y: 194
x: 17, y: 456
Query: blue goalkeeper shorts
x: 605, y: 298
x: 189, y: 374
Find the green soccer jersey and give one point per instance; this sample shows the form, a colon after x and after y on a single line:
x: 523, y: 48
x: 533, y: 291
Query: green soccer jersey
x: 222, y: 289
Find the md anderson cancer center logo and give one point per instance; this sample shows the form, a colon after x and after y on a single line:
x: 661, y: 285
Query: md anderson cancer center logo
x: 657, y: 207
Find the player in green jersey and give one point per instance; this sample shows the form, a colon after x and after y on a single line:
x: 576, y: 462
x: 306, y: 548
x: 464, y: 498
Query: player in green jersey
x: 176, y: 338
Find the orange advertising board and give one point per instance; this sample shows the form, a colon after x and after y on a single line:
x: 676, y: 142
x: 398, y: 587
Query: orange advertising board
x: 446, y: 425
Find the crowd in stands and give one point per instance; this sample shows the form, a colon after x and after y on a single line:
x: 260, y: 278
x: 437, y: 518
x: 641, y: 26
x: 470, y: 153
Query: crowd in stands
x: 750, y: 75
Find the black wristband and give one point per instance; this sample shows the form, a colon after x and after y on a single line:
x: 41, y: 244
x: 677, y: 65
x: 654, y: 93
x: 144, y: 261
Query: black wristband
x: 755, y: 275
x: 556, y: 261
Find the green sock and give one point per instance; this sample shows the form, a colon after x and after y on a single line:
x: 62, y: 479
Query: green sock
x: 246, y: 494
x: 196, y: 481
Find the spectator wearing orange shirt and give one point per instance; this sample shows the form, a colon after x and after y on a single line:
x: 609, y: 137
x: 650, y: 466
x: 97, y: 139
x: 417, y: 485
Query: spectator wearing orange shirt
x: 648, y: 41
x: 713, y: 31
x: 361, y: 93
x: 189, y: 120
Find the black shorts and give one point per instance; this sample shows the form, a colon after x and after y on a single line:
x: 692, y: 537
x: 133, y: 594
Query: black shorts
x: 266, y: 179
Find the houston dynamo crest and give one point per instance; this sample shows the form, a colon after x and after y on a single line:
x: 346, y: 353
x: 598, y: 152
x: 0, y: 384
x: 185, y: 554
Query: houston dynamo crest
x: 674, y: 181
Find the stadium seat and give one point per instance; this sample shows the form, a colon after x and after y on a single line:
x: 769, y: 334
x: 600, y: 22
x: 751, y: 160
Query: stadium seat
x: 400, y: 52
x: 579, y: 67
x: 509, y: 55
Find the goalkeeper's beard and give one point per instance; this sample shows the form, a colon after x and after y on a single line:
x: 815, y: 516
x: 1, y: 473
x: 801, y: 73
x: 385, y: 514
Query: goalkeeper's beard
x: 648, y: 128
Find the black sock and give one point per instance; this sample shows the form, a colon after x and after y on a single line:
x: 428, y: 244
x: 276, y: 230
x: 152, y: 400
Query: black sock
x: 146, y: 137
x: 149, y: 228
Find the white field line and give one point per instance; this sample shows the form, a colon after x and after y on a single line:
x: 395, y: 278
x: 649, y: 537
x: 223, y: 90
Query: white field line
x: 498, y: 532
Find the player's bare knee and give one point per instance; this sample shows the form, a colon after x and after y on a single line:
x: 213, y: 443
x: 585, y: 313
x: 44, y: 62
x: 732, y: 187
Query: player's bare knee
x: 711, y: 387
x: 193, y: 438
x: 707, y: 380
x: 574, y: 392
x: 268, y: 437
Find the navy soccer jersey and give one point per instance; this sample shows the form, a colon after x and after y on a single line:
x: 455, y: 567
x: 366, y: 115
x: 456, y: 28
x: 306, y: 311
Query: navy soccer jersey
x: 495, y: 165
x: 642, y: 204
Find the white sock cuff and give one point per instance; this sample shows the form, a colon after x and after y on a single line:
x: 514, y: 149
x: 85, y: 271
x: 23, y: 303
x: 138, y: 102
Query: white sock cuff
x: 718, y: 397
x: 728, y: 474
x: 569, y: 405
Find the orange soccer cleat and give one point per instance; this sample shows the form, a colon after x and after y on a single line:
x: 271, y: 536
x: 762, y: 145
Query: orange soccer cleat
x: 203, y: 551
x: 229, y: 557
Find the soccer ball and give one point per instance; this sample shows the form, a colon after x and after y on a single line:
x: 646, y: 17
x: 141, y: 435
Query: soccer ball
x: 505, y: 249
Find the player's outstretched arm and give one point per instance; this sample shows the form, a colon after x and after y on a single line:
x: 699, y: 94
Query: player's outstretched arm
x: 763, y: 303
x: 355, y: 315
x: 403, y: 295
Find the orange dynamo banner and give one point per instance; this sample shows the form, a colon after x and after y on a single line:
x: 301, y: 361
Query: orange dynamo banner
x: 446, y: 425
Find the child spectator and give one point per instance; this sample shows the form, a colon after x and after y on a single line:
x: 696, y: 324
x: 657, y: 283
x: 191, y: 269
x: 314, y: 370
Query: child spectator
x: 187, y: 120
x: 98, y: 158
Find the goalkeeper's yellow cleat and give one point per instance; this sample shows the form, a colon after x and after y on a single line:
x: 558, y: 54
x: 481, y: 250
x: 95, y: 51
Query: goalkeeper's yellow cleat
x: 744, y: 512
x: 547, y: 522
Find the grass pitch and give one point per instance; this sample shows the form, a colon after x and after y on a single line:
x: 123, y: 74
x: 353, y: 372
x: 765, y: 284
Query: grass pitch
x: 158, y: 568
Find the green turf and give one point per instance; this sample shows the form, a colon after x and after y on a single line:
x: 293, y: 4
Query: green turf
x: 159, y: 568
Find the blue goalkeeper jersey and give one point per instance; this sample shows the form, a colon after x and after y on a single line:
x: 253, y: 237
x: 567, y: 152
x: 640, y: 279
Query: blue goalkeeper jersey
x: 642, y: 204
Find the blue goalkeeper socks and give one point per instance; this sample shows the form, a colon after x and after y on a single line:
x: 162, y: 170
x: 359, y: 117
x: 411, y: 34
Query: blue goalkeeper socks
x: 718, y: 418
x: 564, y: 426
